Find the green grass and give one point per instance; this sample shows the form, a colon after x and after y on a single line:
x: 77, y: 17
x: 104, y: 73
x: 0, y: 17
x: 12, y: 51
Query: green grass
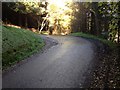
x: 17, y: 44
x: 109, y: 43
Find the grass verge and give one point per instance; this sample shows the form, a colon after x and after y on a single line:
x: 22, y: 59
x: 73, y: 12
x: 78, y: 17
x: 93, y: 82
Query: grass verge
x: 17, y: 44
x: 109, y: 43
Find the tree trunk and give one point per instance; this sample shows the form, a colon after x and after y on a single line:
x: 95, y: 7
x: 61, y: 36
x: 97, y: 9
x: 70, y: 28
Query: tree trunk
x: 43, y: 23
x: 92, y: 23
x: 20, y: 20
x: 119, y: 22
x: 26, y: 23
x: 96, y: 18
x: 96, y: 25
x: 38, y: 24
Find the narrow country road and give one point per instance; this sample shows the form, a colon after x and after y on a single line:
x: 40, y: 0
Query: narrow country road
x: 61, y: 66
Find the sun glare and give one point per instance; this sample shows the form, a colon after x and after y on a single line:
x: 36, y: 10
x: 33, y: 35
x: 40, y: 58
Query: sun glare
x: 59, y: 3
x: 60, y: 14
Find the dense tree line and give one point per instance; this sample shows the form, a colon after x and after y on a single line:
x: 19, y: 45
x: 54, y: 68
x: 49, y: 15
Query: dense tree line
x: 27, y: 15
x: 97, y: 18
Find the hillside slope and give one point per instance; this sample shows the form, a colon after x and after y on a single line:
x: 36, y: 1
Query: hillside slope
x: 18, y: 44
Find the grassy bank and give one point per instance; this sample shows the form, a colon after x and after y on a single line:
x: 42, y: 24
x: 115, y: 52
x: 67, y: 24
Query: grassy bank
x: 17, y: 44
x: 109, y: 43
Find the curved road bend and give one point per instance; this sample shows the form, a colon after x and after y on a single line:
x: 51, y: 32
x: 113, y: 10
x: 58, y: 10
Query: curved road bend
x: 61, y: 66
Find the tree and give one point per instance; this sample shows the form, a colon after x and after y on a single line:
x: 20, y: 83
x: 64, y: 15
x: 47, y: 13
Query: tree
x: 119, y: 22
x: 79, y: 20
x: 95, y: 17
x: 35, y: 8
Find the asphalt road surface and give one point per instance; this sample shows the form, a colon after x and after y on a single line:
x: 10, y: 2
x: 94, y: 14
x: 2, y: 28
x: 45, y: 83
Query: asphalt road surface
x: 60, y: 66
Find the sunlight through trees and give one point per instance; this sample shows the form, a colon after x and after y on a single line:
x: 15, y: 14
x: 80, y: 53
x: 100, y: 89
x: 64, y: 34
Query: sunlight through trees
x: 61, y: 17
x: 57, y: 14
